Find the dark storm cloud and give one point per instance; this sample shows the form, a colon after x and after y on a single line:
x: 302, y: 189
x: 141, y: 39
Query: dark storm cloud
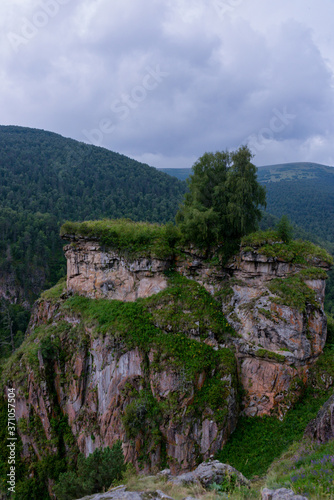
x: 168, y: 81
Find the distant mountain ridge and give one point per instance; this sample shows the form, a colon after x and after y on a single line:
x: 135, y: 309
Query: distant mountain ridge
x: 303, y: 191
x: 273, y: 173
x: 293, y: 171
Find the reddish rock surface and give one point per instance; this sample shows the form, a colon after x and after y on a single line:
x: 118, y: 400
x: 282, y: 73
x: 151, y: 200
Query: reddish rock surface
x: 97, y: 383
x: 322, y: 427
x: 275, y: 346
x: 278, y: 343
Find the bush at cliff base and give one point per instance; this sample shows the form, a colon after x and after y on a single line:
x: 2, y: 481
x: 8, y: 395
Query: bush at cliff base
x: 93, y: 475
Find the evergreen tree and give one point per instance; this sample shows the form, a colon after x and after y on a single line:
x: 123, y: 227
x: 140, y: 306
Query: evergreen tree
x: 94, y: 473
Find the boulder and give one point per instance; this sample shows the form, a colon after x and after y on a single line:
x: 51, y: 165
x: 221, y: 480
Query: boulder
x: 210, y: 472
x: 122, y: 493
x: 280, y: 494
x: 322, y: 427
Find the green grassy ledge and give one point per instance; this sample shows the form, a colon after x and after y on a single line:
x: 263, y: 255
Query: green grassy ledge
x: 136, y: 238
x: 297, y: 251
x: 162, y: 241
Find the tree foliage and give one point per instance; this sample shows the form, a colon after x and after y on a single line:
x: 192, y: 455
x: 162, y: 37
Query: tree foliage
x: 14, y: 320
x: 223, y: 202
x: 42, y: 172
x: 93, y: 475
x: 284, y: 229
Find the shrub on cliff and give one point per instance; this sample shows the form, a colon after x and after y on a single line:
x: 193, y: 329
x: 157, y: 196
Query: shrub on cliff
x: 223, y: 202
x: 284, y: 229
x: 94, y: 473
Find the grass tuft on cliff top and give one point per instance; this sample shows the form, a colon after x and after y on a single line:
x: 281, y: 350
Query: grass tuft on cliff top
x: 297, y: 251
x: 124, y: 235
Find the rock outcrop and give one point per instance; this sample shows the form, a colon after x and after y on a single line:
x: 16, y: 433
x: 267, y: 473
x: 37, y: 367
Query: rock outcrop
x: 160, y: 373
x: 113, y: 385
x: 281, y: 494
x: 10, y: 291
x: 322, y: 427
x: 122, y: 493
x: 279, y: 314
x: 211, y: 472
x: 99, y: 273
x: 204, y: 476
x: 277, y: 309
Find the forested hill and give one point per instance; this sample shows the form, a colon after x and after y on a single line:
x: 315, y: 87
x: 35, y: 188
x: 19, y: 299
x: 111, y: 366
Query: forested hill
x: 303, y: 191
x: 294, y: 171
x: 44, y: 172
x: 46, y: 179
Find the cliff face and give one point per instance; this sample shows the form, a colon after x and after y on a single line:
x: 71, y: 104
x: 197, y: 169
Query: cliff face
x: 99, y: 273
x: 130, y: 350
x: 156, y: 374
x: 277, y: 308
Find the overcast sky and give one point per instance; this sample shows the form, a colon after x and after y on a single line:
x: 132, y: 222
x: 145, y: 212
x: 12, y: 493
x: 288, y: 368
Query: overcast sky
x: 163, y: 81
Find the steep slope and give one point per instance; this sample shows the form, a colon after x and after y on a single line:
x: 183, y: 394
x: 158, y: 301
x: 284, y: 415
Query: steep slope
x: 147, y: 372
x: 44, y: 172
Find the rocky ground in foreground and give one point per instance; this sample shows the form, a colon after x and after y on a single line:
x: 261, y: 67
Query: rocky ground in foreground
x: 207, y: 476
